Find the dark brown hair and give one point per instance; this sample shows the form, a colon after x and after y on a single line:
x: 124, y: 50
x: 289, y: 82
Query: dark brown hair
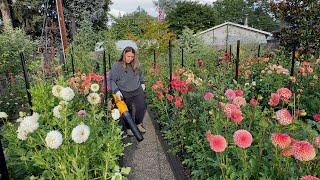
x: 135, y: 63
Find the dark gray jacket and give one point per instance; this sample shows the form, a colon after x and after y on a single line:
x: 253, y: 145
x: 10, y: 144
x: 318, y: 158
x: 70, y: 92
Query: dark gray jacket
x: 125, y: 79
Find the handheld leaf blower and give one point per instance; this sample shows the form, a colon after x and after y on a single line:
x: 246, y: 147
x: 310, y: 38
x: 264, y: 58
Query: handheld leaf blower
x: 123, y: 109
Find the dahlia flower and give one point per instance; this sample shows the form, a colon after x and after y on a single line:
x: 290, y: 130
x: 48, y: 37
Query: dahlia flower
x: 54, y: 139
x: 303, y: 151
x: 80, y: 133
x: 242, y: 138
x: 217, y: 142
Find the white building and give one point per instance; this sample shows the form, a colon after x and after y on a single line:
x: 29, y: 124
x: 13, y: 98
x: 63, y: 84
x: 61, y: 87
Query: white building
x: 223, y: 35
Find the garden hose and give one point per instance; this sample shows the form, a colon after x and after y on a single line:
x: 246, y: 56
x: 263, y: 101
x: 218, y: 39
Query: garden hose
x: 123, y: 109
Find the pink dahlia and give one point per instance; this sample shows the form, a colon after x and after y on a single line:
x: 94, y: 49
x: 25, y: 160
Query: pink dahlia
x: 316, y: 117
x: 238, y: 92
x: 170, y: 97
x: 217, y: 142
x: 281, y: 140
x: 208, y: 95
x: 242, y: 138
x: 228, y: 108
x: 284, y: 117
x: 284, y: 93
x: 178, y: 102
x: 239, y: 101
x: 236, y: 116
x: 230, y: 94
x: 303, y: 151
x: 309, y: 177
x: 253, y: 102
x: 274, y: 99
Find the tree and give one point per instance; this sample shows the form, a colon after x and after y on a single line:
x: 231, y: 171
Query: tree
x: 302, y: 24
x: 191, y: 14
x: 165, y: 5
x: 76, y: 10
x: 258, y: 13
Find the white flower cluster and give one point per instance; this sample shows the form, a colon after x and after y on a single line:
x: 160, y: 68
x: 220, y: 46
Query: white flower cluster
x: 28, y: 125
x: 3, y: 115
x: 80, y: 133
x: 54, y: 139
x: 115, y: 114
x: 67, y: 94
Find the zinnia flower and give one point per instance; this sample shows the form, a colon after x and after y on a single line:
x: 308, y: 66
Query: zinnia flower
x: 80, y: 133
x: 284, y: 93
x: 303, y: 151
x: 115, y: 114
x: 94, y: 98
x: 217, y: 142
x: 54, y: 139
x: 284, y: 117
x: 281, y: 140
x: 94, y: 87
x: 207, y: 96
x: 67, y: 94
x: 274, y: 99
x: 316, y: 117
x: 3, y: 115
x: 242, y: 138
x: 309, y: 177
x: 56, y: 90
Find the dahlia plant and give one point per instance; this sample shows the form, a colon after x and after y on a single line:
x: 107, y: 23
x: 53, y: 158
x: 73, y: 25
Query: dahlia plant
x: 67, y: 137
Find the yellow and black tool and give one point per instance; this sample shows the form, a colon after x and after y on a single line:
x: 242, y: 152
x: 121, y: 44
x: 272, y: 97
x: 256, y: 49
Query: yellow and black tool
x: 123, y: 109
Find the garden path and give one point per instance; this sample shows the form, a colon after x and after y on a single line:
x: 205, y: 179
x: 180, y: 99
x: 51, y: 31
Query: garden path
x: 147, y: 159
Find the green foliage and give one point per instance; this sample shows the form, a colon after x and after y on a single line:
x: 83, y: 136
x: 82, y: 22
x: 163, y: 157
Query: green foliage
x: 11, y: 43
x: 82, y: 48
x: 191, y: 14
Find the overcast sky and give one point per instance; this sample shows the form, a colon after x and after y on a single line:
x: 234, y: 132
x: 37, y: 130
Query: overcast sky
x: 128, y: 6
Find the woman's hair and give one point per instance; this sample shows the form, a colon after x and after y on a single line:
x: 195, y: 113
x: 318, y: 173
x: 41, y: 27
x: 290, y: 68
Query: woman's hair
x: 135, y: 63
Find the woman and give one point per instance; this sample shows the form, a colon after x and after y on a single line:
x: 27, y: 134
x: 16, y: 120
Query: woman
x: 127, y: 82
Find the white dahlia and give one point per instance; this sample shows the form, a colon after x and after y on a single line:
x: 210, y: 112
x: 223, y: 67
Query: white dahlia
x: 94, y: 98
x: 94, y: 87
x: 56, y: 111
x: 54, y: 139
x: 56, y: 90
x: 29, y: 124
x: 80, y: 133
x: 67, y: 94
x: 3, y: 115
x: 115, y: 114
x: 22, y: 134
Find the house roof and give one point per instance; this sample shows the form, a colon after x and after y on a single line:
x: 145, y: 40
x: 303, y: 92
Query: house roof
x: 237, y: 25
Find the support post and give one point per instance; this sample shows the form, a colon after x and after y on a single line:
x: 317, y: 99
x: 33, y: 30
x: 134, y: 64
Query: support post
x: 26, y: 79
x: 170, y: 65
x: 182, y: 57
x: 3, y: 165
x: 237, y: 61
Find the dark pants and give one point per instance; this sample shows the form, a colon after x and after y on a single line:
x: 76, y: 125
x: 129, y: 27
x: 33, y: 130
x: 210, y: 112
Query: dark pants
x: 136, y: 104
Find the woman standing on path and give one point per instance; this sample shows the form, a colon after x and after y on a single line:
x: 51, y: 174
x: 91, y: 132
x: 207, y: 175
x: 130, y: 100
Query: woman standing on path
x: 127, y: 82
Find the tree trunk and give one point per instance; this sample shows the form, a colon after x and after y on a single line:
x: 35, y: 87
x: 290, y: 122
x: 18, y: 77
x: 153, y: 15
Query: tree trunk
x: 5, y: 13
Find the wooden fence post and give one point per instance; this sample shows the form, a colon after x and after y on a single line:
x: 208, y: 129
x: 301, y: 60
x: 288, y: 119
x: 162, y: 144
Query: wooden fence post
x: 182, y: 57
x: 170, y: 65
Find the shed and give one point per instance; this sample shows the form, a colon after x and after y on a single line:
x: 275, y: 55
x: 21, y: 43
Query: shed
x: 228, y: 33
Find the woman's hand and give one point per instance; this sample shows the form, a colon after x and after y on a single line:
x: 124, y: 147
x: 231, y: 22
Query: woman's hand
x: 143, y: 86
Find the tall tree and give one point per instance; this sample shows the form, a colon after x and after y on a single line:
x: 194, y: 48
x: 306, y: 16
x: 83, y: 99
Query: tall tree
x: 302, y: 24
x: 191, y: 14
